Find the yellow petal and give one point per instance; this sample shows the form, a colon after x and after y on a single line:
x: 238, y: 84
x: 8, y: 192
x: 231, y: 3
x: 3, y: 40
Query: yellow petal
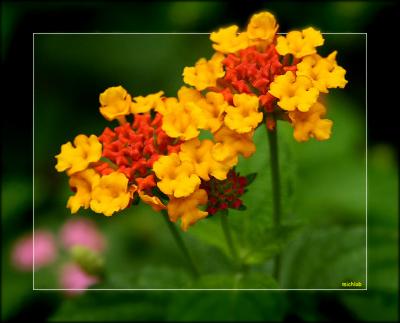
x: 111, y: 194
x: 227, y: 40
x: 115, y: 103
x: 153, y: 201
x: 300, y: 44
x: 83, y: 182
x: 310, y: 124
x: 75, y: 159
x: 262, y: 26
x: 143, y: 104
x: 205, y: 73
x: 244, y: 116
x: 186, y: 208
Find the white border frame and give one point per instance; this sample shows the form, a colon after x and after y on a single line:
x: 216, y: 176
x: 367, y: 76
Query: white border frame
x: 197, y: 289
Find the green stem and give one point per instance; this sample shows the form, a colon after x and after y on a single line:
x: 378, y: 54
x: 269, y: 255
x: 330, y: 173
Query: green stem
x: 181, y: 244
x: 228, y: 236
x: 276, y: 191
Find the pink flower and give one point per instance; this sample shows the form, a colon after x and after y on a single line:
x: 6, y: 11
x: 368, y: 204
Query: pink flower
x: 75, y: 279
x: 41, y: 248
x: 82, y: 232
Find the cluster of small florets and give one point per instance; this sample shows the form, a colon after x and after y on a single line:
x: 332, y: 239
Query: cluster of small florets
x: 134, y: 147
x: 160, y: 157
x: 284, y: 73
x: 225, y: 194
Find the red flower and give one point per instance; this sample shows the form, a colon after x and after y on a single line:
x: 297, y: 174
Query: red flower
x: 134, y: 147
x: 225, y: 194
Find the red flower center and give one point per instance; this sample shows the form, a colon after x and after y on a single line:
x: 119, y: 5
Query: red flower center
x: 251, y: 71
x: 134, y: 147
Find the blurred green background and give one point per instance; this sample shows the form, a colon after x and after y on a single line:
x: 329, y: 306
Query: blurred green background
x: 323, y: 238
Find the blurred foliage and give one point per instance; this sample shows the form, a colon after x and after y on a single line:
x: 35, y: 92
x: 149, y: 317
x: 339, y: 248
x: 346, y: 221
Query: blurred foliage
x: 323, y: 232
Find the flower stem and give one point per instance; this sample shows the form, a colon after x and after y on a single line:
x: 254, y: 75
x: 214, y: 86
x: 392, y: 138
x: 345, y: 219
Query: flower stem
x: 181, y: 244
x: 276, y: 191
x: 228, y: 236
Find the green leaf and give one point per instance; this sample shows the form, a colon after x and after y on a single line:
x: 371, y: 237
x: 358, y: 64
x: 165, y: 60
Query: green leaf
x: 325, y: 258
x: 210, y: 231
x: 147, y: 277
x: 162, y: 277
x: 250, y: 178
x: 273, y: 242
x: 229, y: 305
x: 382, y: 298
x: 110, y: 306
x: 252, y: 231
x: 252, y: 280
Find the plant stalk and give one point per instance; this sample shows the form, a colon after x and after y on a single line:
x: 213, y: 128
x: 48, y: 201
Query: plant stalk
x: 181, y: 244
x: 228, y: 237
x: 276, y: 192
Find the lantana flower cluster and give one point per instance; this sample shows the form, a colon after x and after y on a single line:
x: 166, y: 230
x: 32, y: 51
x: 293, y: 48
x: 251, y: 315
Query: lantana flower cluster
x: 282, y: 76
x: 179, y: 154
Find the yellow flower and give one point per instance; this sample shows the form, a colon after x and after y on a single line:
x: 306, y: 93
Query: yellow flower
x: 75, y: 159
x: 212, y: 109
x: 179, y: 120
x: 177, y: 178
x: 230, y: 144
x: 111, y: 194
x: 205, y: 73
x: 198, y: 153
x: 300, y: 43
x: 310, y: 124
x: 324, y: 72
x: 143, y: 104
x: 294, y: 92
x: 115, y: 103
x: 153, y: 201
x: 186, y: 208
x: 244, y: 116
x: 262, y: 26
x: 207, y: 111
x: 82, y: 183
x: 187, y: 94
x: 228, y: 41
